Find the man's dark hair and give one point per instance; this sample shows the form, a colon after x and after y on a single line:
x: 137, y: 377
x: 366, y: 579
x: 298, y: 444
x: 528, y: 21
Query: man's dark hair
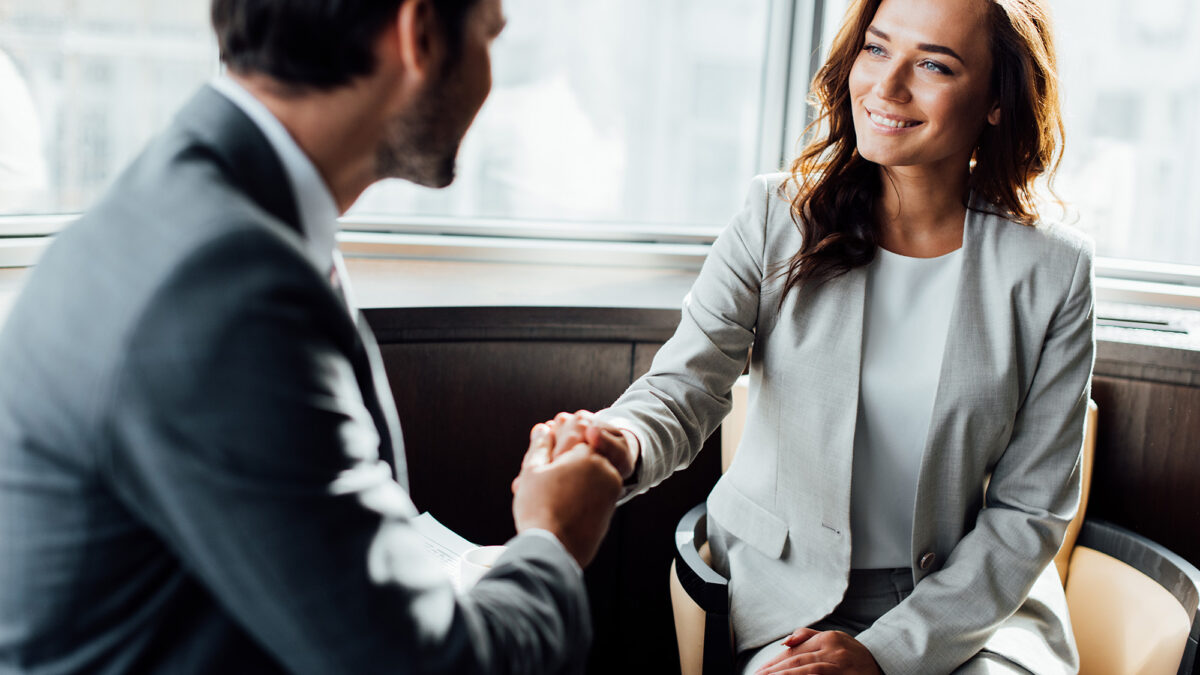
x: 316, y: 44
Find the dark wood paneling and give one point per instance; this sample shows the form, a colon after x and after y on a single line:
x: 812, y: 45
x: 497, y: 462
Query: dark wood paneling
x: 1147, y: 471
x: 467, y: 407
x: 643, y: 356
x: 442, y: 324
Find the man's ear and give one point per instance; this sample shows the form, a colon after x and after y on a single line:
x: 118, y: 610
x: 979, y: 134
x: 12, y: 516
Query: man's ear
x: 419, y: 44
x: 993, y: 116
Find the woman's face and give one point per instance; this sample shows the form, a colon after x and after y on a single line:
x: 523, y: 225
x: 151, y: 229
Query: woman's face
x: 920, y: 85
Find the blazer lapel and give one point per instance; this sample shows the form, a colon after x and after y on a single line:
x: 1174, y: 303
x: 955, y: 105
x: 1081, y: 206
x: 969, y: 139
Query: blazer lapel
x: 841, y: 393
x: 247, y: 158
x: 972, y: 392
x: 831, y: 367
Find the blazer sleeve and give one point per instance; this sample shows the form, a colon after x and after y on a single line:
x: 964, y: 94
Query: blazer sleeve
x: 237, y: 431
x: 674, y: 407
x: 1032, y: 496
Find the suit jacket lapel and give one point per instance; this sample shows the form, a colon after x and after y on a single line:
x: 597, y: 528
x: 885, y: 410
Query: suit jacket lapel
x: 245, y: 155
x: 969, y: 367
x: 833, y: 366
x: 842, y: 393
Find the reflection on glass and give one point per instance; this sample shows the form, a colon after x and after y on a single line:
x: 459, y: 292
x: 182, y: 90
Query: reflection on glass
x: 610, y: 110
x: 1131, y: 92
x: 101, y: 77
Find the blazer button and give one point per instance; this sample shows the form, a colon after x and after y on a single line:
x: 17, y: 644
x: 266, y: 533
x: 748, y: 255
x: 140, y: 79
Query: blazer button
x: 927, y: 560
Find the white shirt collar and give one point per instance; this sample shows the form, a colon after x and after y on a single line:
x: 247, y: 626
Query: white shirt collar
x: 315, y: 203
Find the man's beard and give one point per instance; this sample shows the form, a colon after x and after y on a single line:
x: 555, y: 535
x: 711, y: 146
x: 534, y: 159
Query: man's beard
x: 422, y: 144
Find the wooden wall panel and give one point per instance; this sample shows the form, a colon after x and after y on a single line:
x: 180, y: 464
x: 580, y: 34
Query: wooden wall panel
x: 467, y: 407
x: 1147, y: 471
x: 643, y: 356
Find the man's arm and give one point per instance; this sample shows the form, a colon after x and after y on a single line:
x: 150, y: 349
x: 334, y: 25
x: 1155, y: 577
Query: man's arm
x: 239, y: 434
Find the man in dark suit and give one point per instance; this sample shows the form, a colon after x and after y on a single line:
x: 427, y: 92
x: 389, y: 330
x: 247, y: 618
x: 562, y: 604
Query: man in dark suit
x: 200, y: 469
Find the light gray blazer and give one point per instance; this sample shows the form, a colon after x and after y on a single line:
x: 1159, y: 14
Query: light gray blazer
x: 1010, y: 403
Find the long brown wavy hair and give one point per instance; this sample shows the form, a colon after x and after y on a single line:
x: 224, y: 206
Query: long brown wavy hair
x: 834, y: 191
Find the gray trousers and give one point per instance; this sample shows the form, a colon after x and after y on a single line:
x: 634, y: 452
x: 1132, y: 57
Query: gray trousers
x: 870, y: 595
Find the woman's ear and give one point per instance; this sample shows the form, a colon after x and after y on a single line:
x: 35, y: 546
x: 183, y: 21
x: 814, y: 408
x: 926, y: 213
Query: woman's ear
x: 993, y: 116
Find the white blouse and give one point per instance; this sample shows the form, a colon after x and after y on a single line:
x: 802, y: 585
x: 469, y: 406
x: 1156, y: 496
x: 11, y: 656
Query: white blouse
x: 905, y: 322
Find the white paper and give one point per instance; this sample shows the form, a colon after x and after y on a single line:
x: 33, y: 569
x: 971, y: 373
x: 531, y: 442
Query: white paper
x: 444, y: 544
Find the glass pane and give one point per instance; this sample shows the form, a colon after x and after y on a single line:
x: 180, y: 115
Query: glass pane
x: 610, y: 110
x: 85, y: 84
x: 1132, y: 100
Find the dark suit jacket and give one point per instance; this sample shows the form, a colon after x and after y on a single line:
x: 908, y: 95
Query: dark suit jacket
x: 198, y: 472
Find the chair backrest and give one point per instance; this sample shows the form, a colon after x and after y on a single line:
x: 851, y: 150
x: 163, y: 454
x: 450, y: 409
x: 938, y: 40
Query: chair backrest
x: 1062, y: 559
x: 1133, y: 604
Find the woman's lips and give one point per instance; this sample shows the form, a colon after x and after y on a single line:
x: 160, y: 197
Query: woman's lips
x: 890, y: 121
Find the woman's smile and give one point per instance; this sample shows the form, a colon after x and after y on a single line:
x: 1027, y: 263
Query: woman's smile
x: 890, y: 123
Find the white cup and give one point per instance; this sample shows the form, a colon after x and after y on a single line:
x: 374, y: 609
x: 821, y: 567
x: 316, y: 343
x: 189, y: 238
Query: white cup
x: 476, y: 562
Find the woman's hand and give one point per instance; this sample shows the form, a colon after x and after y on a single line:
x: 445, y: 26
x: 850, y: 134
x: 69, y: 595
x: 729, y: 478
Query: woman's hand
x: 810, y: 651
x: 568, y: 430
x: 618, y: 446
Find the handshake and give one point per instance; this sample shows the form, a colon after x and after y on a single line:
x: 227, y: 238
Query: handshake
x: 571, y: 478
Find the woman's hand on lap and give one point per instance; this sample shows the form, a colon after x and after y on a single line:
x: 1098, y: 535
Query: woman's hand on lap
x: 811, y: 652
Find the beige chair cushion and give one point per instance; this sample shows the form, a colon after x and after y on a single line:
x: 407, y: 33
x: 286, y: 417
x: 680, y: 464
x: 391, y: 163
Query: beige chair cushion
x: 1124, y: 621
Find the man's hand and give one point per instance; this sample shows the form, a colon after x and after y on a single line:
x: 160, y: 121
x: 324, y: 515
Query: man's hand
x: 810, y: 651
x: 573, y: 497
x: 618, y: 446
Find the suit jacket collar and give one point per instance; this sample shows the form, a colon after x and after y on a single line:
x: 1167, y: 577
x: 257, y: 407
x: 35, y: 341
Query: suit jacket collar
x: 242, y: 152
x: 245, y: 156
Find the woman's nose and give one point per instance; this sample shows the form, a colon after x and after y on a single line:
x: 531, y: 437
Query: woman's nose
x: 892, y: 83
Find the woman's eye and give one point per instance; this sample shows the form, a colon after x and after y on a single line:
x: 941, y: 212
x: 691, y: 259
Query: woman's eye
x: 935, y: 67
x: 873, y: 50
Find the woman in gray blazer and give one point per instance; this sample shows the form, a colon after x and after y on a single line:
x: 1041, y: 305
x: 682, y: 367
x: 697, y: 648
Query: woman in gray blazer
x: 922, y: 351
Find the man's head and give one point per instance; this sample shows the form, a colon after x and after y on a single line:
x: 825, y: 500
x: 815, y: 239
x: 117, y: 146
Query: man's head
x: 316, y: 44
x: 421, y: 68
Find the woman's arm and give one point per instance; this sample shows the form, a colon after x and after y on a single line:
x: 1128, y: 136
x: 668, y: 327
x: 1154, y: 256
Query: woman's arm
x: 683, y: 398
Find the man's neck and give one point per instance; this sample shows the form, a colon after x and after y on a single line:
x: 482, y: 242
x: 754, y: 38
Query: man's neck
x: 336, y: 129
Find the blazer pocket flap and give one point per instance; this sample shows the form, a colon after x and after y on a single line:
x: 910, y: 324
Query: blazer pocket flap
x: 747, y: 521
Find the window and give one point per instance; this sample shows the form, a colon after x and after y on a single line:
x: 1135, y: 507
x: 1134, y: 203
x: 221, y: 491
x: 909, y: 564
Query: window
x: 85, y: 84
x: 1131, y: 93
x: 646, y: 118
x: 613, y: 111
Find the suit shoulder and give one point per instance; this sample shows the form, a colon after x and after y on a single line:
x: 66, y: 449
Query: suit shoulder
x: 1045, y: 239
x: 772, y: 186
x: 1068, y: 237
x: 769, y: 199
